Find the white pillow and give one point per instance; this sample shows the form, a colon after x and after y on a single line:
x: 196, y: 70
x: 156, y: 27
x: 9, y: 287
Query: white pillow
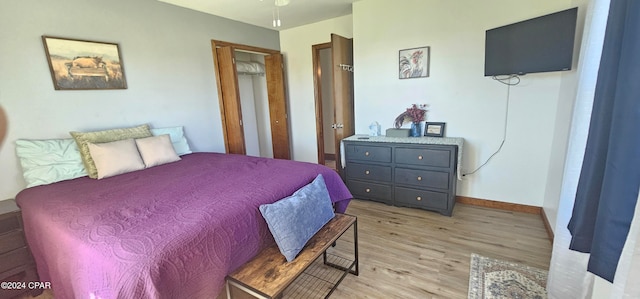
x: 178, y: 140
x: 156, y: 150
x: 117, y: 157
x: 49, y: 161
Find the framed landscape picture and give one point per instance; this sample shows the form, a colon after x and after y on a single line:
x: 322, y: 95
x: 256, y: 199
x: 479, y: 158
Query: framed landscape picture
x: 414, y: 63
x: 81, y: 65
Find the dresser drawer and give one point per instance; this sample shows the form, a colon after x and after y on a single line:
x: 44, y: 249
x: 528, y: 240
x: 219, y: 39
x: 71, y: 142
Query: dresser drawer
x: 368, y: 153
x: 422, y: 178
x: 9, y: 222
x: 11, y: 241
x: 421, y: 198
x: 367, y: 190
x: 424, y: 157
x: 15, y: 258
x: 369, y: 172
x: 26, y: 275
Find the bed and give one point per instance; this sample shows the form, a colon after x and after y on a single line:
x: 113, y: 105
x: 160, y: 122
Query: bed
x: 170, y: 231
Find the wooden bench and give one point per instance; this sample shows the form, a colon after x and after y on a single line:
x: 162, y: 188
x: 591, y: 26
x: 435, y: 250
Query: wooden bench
x: 268, y: 274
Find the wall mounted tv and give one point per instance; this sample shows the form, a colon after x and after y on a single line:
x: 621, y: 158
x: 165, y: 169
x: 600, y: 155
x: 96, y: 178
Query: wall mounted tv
x: 542, y: 44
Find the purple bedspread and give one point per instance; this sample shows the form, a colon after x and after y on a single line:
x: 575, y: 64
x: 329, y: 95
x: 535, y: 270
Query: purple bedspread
x: 171, y: 231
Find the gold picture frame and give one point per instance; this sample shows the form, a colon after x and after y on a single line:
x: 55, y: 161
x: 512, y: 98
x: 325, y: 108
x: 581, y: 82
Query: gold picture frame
x: 84, y: 65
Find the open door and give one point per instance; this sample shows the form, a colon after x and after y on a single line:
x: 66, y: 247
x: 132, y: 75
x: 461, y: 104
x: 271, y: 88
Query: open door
x: 342, y: 54
x: 230, y: 101
x: 274, y: 67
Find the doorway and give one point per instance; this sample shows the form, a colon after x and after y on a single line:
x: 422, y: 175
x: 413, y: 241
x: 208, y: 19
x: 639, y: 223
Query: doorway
x: 253, y: 110
x: 333, y: 86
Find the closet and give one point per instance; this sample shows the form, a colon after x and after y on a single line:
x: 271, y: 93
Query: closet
x: 252, y: 100
x: 252, y: 84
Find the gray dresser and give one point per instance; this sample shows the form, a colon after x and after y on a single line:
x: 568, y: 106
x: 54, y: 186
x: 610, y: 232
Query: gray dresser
x: 419, y: 172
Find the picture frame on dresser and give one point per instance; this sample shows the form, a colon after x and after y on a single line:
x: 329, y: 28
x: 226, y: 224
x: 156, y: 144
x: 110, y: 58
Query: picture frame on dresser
x: 434, y: 129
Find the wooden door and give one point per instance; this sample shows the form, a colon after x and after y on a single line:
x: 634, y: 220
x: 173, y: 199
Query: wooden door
x: 342, y: 54
x: 274, y: 68
x: 230, y: 101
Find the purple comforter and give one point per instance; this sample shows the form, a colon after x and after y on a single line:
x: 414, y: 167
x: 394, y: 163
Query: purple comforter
x: 171, y: 231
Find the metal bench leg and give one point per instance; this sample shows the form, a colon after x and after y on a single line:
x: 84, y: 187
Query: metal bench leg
x: 355, y: 263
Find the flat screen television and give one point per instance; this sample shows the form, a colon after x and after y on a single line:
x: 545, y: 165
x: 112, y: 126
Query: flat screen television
x: 542, y: 44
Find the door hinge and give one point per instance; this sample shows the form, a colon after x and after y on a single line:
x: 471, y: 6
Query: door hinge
x: 233, y: 60
x: 241, y: 123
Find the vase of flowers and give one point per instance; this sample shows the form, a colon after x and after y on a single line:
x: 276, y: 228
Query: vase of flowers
x: 416, y: 130
x: 416, y: 114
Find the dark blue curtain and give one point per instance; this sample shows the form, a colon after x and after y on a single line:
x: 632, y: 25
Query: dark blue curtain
x: 610, y: 178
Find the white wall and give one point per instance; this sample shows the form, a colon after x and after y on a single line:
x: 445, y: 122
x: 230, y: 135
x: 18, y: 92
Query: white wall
x: 168, y: 65
x: 472, y: 105
x: 296, y: 44
x: 568, y: 91
x: 263, y: 119
x: 249, y: 122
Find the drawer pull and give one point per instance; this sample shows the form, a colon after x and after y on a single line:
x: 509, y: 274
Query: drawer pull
x: 366, y: 153
x: 419, y: 198
x: 419, y: 157
x: 367, y: 190
x: 366, y: 172
x: 419, y: 178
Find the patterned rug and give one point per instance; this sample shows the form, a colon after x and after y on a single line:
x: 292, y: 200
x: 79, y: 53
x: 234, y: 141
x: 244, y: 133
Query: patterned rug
x: 493, y: 279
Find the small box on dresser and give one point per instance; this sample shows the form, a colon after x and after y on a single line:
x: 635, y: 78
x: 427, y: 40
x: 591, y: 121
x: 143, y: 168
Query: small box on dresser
x: 417, y: 172
x: 16, y: 262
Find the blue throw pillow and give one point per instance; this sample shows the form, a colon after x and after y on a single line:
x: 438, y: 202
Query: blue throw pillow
x: 295, y: 219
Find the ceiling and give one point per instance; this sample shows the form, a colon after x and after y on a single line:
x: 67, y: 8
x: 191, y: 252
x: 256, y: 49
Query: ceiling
x: 260, y: 12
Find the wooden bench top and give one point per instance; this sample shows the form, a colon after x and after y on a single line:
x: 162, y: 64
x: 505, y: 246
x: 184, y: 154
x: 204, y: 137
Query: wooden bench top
x: 269, y: 273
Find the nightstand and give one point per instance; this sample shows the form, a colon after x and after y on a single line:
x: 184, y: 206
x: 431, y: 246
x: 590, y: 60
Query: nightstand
x: 16, y: 262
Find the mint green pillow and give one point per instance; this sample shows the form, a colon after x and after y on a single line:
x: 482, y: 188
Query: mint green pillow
x: 178, y: 140
x: 49, y: 161
x: 105, y: 136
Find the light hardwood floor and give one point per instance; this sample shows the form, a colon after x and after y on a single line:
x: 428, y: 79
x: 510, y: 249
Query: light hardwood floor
x: 411, y: 253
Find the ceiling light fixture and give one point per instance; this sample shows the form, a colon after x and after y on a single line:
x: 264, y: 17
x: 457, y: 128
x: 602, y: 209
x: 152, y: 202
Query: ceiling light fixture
x: 276, y: 12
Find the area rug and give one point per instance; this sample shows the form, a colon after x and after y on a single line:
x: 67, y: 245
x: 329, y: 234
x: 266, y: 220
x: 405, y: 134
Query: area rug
x: 493, y: 279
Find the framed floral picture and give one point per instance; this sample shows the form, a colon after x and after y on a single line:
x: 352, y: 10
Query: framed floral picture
x: 81, y: 64
x: 414, y: 63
